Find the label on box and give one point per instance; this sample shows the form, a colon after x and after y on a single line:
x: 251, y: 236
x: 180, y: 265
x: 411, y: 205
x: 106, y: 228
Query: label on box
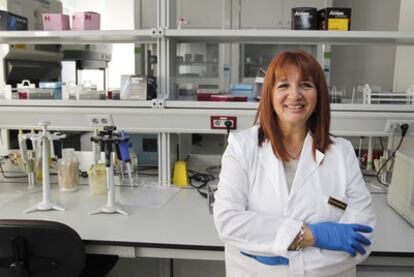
x: 340, y: 24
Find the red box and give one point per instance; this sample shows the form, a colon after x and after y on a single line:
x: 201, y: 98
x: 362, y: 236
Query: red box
x: 205, y: 96
x: 228, y: 98
x: 55, y: 21
x: 86, y: 21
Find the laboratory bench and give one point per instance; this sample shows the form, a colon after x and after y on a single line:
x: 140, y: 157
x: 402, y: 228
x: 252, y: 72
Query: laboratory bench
x: 183, y: 228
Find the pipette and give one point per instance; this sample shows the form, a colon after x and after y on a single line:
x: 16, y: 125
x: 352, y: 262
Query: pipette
x: 22, y: 146
x: 57, y: 151
x: 96, y: 151
x: 123, y: 148
x: 29, y: 162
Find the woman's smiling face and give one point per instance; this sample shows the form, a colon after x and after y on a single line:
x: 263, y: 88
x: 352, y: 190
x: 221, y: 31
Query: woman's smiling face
x: 294, y: 99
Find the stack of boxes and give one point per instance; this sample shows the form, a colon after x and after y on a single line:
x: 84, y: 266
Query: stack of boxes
x: 308, y: 18
x: 80, y: 21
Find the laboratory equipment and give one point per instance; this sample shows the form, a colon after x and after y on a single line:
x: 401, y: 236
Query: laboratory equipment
x: 96, y: 152
x: 137, y: 87
x: 97, y: 179
x: 68, y: 170
x: 44, y: 138
x: 55, y: 87
x: 109, y: 140
x: 401, y: 189
x: 374, y: 95
x: 5, y: 92
x: 211, y: 190
x: 180, y: 176
x: 257, y: 89
x: 34, y: 62
x: 123, y: 146
x: 30, y: 160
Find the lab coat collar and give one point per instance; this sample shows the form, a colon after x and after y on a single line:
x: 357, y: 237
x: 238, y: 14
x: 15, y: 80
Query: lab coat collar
x: 276, y: 172
x: 307, y: 165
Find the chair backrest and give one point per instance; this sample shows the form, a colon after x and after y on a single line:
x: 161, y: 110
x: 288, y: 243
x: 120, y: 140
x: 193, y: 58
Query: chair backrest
x: 38, y: 248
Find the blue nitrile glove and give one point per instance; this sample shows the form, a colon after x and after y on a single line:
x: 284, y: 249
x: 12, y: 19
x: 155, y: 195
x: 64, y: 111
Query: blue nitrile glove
x: 268, y: 260
x: 340, y: 237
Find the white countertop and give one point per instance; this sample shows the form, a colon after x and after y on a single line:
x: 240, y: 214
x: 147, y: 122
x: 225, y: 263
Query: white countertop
x: 183, y: 222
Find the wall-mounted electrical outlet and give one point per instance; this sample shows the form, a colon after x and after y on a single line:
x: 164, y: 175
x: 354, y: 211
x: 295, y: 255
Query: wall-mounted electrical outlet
x: 395, y: 124
x: 100, y: 120
x: 223, y: 122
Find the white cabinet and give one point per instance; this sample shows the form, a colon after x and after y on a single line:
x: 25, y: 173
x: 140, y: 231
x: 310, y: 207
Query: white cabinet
x: 261, y: 14
x: 201, y: 13
x: 272, y: 14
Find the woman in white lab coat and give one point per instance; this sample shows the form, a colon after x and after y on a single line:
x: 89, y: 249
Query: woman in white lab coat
x: 291, y: 199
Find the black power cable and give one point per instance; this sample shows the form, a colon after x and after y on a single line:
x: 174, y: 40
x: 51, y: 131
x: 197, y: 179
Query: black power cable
x: 4, y: 173
x: 201, y: 178
x: 404, y: 129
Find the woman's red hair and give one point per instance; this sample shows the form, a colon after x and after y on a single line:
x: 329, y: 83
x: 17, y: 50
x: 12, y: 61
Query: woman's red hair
x: 319, y: 121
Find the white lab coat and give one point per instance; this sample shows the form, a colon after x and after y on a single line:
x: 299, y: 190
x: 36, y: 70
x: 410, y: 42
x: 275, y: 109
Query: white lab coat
x: 254, y: 211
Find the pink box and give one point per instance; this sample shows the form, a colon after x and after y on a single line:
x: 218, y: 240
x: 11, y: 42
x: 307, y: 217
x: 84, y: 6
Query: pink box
x: 55, y: 21
x: 86, y: 21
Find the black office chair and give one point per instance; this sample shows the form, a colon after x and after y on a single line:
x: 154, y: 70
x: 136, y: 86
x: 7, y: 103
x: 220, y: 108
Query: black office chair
x: 38, y: 248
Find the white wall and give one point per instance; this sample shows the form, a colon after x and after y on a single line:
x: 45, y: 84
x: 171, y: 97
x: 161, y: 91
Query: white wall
x: 115, y: 15
x: 354, y: 65
x: 120, y: 15
x: 404, y: 73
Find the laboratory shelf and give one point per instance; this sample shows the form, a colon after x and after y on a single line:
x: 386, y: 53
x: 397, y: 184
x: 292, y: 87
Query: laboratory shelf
x: 77, y: 103
x: 183, y: 116
x: 291, y: 36
x: 211, y: 35
x: 78, y: 37
x: 211, y: 105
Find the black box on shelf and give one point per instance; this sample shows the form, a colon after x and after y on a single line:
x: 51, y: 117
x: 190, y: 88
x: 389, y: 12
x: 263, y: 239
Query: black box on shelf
x: 338, y: 19
x: 304, y: 18
x: 12, y: 22
x: 151, y: 87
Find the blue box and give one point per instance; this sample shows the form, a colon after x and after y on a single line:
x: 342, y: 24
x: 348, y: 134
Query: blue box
x: 12, y: 22
x: 56, y: 86
x: 242, y: 90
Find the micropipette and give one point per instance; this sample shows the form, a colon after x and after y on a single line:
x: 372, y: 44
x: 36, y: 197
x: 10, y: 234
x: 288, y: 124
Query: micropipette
x: 96, y: 151
x: 123, y: 148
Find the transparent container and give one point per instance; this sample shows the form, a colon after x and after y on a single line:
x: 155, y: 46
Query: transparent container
x: 68, y: 171
x: 97, y: 179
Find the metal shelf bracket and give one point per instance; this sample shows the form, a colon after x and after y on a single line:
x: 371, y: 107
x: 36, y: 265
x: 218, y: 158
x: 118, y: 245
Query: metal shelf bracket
x: 158, y: 32
x: 158, y: 103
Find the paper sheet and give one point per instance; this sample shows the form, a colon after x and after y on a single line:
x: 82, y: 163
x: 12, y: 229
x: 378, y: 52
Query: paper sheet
x: 149, y: 196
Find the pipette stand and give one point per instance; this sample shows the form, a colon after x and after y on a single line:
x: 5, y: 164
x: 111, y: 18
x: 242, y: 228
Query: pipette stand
x: 111, y: 206
x: 47, y: 204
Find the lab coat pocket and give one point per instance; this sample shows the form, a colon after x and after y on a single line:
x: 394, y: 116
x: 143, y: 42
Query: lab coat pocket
x: 328, y: 211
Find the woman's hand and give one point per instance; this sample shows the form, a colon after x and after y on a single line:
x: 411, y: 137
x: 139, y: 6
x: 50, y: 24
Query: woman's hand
x: 340, y: 237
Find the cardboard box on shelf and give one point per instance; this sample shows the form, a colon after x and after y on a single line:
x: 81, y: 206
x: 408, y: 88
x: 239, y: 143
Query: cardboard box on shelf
x: 55, y: 22
x: 338, y: 19
x: 86, y: 21
x: 12, y: 22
